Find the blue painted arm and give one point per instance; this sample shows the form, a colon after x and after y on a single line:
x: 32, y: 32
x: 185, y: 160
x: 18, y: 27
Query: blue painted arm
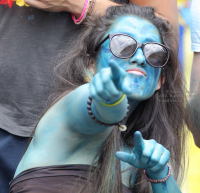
x: 153, y: 157
x: 106, y: 87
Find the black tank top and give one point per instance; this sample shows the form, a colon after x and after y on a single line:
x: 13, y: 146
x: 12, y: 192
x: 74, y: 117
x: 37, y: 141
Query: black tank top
x: 55, y: 179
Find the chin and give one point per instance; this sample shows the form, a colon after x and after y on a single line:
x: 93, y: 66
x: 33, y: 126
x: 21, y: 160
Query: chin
x: 139, y: 96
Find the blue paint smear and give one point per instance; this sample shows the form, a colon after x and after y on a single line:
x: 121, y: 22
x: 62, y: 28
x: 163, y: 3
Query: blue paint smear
x: 164, y: 186
x: 146, y: 28
x: 55, y: 14
x: 31, y: 17
x: 106, y: 50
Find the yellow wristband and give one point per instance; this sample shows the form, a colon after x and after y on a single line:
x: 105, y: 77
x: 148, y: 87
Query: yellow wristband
x: 114, y: 104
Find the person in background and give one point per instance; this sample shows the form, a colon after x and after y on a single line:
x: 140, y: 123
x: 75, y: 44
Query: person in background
x: 195, y: 73
x: 30, y: 37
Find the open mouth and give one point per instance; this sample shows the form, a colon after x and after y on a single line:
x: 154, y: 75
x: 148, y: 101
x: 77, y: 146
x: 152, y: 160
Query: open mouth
x: 138, y: 72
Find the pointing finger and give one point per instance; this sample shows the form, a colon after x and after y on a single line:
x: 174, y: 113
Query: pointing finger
x: 139, y: 141
x: 120, y: 78
x: 117, y: 72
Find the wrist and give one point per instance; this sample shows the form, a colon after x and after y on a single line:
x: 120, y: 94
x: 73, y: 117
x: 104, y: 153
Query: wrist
x: 158, y: 174
x: 75, y: 7
x: 114, y: 114
x: 99, y: 7
x: 114, y: 101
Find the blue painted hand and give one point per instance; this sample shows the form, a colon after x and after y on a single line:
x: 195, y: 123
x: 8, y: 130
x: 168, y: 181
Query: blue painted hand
x: 109, y: 84
x: 147, y: 154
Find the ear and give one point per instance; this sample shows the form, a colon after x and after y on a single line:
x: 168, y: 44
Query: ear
x: 160, y: 82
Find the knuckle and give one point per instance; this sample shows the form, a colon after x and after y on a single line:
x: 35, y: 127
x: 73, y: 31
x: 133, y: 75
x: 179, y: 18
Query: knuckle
x: 159, y: 146
x: 99, y: 90
x: 153, y: 141
x: 105, y: 78
x: 161, y: 165
x: 115, y: 94
x: 154, y: 160
x: 146, y: 154
x: 104, y: 71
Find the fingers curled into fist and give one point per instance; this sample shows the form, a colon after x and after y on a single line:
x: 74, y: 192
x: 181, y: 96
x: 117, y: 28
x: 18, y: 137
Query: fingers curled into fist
x: 109, y: 84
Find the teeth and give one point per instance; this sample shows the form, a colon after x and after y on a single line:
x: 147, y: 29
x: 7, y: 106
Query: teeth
x: 136, y: 72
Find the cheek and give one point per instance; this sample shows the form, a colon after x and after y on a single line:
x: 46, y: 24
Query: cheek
x: 105, y: 50
x: 153, y: 78
x: 104, y: 58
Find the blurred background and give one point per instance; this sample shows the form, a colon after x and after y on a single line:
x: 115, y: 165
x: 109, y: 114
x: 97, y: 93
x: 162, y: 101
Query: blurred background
x: 192, y: 183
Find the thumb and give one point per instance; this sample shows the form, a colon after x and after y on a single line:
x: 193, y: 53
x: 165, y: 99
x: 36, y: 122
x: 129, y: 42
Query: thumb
x: 126, y: 157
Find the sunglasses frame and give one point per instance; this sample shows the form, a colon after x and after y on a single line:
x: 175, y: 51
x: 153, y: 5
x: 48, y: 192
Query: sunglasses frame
x: 138, y: 44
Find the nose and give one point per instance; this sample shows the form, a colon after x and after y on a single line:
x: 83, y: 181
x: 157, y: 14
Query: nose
x: 138, y: 57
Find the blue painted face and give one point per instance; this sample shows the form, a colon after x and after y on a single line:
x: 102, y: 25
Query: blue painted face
x: 144, y: 78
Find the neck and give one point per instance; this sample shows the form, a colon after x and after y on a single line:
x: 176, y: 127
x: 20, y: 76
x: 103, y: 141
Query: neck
x: 132, y: 105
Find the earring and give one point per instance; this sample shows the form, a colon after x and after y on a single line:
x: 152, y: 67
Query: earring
x: 122, y: 127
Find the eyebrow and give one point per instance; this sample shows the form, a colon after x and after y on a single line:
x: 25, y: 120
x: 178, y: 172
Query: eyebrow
x: 148, y: 39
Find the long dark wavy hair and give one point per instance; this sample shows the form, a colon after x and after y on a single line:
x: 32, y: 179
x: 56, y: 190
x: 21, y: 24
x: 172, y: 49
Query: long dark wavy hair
x: 161, y: 117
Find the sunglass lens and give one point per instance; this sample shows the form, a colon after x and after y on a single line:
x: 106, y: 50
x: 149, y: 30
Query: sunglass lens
x: 156, y: 55
x: 122, y: 46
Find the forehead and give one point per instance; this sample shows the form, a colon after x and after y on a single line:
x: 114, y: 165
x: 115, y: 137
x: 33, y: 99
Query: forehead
x: 134, y: 25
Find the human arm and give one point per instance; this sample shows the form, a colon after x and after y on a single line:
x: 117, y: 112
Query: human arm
x: 152, y: 157
x: 166, y: 9
x: 71, y: 6
x: 73, y: 107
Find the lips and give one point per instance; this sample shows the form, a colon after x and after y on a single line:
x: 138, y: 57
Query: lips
x: 136, y: 71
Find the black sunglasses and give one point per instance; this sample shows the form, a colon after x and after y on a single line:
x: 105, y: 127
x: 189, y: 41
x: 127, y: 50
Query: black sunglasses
x: 124, y: 46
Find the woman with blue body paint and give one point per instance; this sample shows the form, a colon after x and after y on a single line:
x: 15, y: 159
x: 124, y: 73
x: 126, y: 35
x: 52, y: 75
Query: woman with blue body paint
x: 131, y: 52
